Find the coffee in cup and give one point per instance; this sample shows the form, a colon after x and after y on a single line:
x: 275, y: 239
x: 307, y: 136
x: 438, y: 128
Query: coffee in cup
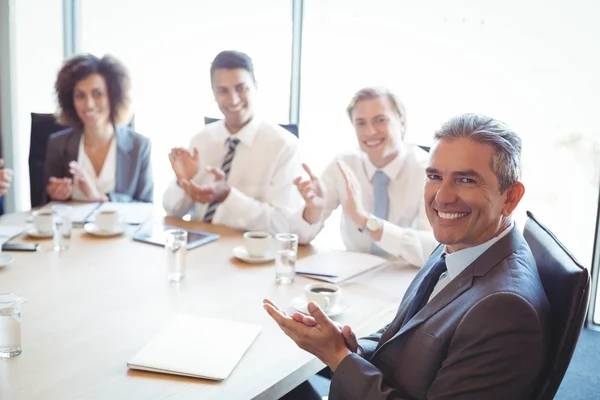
x: 107, y: 220
x: 258, y: 243
x: 326, y: 295
x: 42, y: 221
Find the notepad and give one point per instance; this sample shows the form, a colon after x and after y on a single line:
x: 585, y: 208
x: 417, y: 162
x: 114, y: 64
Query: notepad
x: 197, y: 347
x: 336, y: 266
x: 132, y: 213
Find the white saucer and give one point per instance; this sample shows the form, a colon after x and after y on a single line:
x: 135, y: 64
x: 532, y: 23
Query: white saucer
x: 5, y: 259
x: 299, y: 303
x: 241, y: 253
x: 93, y: 229
x: 34, y: 233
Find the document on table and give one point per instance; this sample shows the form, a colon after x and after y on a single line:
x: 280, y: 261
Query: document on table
x: 81, y: 212
x: 8, y: 232
x: 337, y: 265
x: 132, y: 213
x: 198, y: 347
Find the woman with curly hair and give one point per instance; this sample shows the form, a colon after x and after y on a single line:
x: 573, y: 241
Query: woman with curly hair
x: 98, y: 158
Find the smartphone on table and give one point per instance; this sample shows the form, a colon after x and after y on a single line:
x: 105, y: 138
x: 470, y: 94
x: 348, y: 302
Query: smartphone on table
x: 20, y: 246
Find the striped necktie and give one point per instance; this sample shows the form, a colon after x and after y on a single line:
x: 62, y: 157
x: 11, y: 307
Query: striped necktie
x: 381, y: 183
x: 225, y: 167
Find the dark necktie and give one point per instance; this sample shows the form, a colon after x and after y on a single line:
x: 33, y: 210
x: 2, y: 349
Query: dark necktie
x: 225, y: 167
x: 424, y: 291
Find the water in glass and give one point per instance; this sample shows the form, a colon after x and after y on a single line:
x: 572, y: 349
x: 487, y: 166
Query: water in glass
x: 61, y: 226
x: 10, y: 326
x: 285, y: 267
x: 176, y: 250
x: 285, y: 263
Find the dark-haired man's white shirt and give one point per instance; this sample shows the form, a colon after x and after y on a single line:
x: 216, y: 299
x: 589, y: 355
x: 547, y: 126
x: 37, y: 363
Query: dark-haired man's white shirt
x: 263, y: 169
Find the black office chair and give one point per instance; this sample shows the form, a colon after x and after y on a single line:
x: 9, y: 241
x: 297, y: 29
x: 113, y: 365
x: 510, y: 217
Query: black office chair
x: 567, y: 286
x: 42, y: 126
x: 293, y: 128
x: 425, y: 148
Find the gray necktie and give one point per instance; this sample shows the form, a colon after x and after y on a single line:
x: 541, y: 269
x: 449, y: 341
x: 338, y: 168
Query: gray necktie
x: 381, y: 183
x: 225, y: 167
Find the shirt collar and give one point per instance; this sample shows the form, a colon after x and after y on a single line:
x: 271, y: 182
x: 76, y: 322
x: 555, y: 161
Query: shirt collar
x: 459, y: 260
x: 391, y: 170
x: 246, y: 135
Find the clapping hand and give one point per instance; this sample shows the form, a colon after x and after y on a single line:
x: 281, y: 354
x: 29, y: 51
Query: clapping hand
x: 313, y: 193
x: 6, y: 176
x: 323, y: 339
x: 353, y: 206
x: 60, y: 189
x: 216, y: 191
x: 85, y: 183
x: 184, y: 163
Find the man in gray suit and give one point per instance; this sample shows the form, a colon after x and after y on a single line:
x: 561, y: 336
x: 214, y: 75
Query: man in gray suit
x: 474, y: 322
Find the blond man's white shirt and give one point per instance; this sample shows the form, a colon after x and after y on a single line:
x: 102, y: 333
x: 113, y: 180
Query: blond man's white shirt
x: 263, y: 169
x: 406, y: 232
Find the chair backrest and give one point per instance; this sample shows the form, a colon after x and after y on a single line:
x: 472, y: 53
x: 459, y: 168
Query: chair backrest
x: 567, y: 286
x: 42, y: 126
x: 292, y: 128
x: 425, y: 148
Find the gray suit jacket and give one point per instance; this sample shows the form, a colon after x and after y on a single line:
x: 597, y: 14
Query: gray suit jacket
x: 133, y: 181
x: 484, y: 336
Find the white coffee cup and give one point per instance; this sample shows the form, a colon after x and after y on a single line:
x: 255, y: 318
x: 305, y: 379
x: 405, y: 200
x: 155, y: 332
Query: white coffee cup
x: 258, y: 244
x: 107, y: 220
x: 326, y: 295
x: 42, y: 220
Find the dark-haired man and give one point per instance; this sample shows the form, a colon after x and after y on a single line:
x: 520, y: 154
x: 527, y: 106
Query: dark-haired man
x: 239, y: 171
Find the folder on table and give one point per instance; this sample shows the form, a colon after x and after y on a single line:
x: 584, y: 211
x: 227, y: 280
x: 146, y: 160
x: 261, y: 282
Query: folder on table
x: 336, y: 266
x: 197, y: 347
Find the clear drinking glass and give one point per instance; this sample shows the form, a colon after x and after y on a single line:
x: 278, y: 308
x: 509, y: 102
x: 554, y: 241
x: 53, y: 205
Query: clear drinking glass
x: 10, y: 325
x: 285, y: 264
x: 176, y: 249
x: 61, y: 226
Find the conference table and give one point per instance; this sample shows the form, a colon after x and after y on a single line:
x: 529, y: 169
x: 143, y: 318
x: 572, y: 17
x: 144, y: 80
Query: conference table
x: 91, y: 308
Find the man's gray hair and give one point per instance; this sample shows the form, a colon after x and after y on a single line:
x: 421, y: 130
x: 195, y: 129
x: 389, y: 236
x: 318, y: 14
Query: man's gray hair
x: 486, y: 130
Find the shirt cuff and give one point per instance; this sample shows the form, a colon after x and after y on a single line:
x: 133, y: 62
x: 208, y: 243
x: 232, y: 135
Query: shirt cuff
x: 306, y: 231
x: 389, y: 237
x: 228, y: 211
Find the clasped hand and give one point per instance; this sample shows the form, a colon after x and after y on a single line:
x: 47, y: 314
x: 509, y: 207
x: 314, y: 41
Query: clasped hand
x: 216, y: 191
x: 316, y: 334
x: 61, y: 189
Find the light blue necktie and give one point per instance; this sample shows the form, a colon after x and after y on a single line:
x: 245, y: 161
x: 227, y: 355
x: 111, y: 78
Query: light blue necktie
x: 380, y: 182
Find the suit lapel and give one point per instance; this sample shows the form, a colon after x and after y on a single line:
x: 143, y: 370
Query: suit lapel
x: 460, y: 284
x: 409, y: 296
x: 71, y: 152
x: 124, y: 160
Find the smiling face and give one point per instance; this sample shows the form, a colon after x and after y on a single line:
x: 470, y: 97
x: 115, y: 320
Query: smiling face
x: 90, y: 98
x: 462, y: 195
x: 234, y: 93
x: 378, y: 129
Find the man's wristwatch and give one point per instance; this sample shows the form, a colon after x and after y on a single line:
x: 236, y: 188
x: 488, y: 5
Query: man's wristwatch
x: 373, y: 224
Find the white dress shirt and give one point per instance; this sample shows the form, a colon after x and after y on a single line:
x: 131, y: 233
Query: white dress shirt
x: 105, y: 181
x: 263, y: 169
x: 459, y: 260
x: 407, y: 232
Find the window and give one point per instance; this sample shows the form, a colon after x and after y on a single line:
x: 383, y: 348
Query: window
x: 38, y: 50
x: 529, y: 64
x: 168, y: 47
